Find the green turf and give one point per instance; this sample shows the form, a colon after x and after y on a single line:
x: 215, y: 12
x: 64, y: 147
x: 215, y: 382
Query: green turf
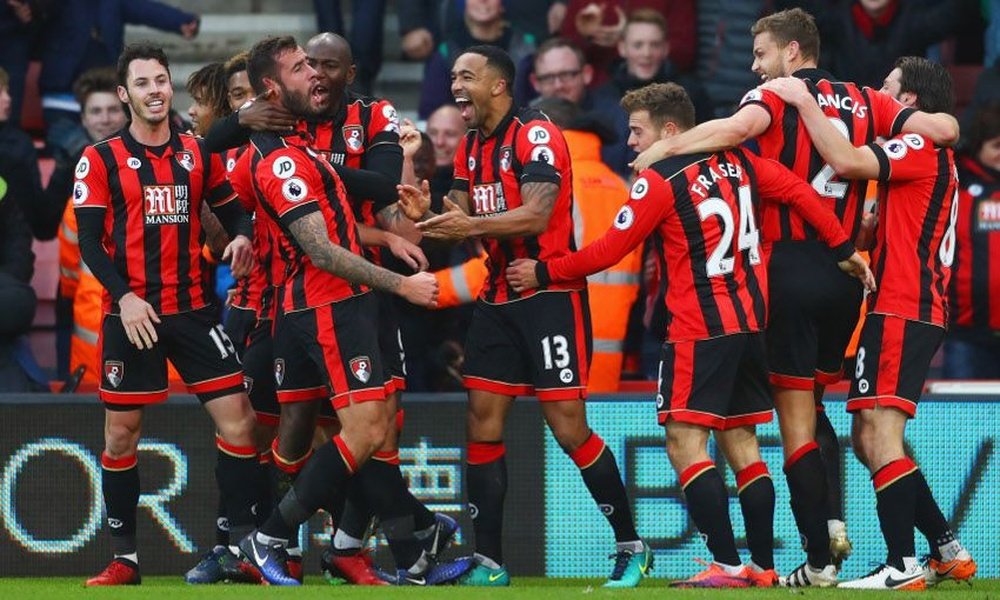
x: 524, y: 587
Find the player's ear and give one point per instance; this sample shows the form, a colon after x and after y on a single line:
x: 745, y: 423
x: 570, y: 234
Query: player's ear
x: 352, y: 72
x: 123, y: 94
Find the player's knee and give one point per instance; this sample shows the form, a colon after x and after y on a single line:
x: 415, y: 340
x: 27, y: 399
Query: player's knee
x: 120, y: 440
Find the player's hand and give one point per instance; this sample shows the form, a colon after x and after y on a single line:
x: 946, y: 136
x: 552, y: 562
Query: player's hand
x: 413, y: 202
x: 659, y: 150
x: 409, y: 138
x: 230, y: 296
x: 866, y: 233
x: 790, y: 89
x: 855, y: 266
x: 265, y: 116
x: 420, y: 289
x: 452, y: 224
x: 407, y: 252
x: 239, y: 254
x: 418, y: 43
x: 138, y: 317
x: 521, y: 274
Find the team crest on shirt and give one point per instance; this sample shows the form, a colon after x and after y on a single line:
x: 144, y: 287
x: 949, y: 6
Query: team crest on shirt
x: 389, y: 112
x: 279, y: 370
x: 185, y: 158
x: 230, y: 165
x: 352, y: 137
x: 505, y: 154
x: 361, y: 367
x: 472, y: 163
x: 114, y: 372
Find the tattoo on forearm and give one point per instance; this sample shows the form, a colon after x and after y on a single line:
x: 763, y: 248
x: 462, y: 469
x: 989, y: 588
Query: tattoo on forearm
x: 541, y: 195
x: 390, y: 215
x: 461, y: 199
x: 310, y: 233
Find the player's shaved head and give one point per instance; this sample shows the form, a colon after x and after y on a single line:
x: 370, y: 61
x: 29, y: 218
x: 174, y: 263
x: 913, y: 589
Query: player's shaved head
x: 333, y: 43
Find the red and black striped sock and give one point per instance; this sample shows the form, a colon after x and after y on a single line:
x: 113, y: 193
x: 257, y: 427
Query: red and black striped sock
x: 708, y: 505
x: 601, y: 476
x: 486, y: 478
x: 807, y: 487
x: 896, y: 498
x: 120, y: 485
x: 756, y: 492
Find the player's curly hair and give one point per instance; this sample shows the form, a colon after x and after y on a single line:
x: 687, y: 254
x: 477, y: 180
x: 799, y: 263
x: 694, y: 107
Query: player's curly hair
x: 208, y: 86
x: 665, y: 102
x: 792, y: 25
x: 236, y: 63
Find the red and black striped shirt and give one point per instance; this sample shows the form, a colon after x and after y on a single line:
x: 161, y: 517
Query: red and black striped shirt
x: 703, y: 210
x: 152, y: 227
x: 915, y: 240
x: 525, y: 147
x: 255, y: 291
x: 861, y: 114
x: 975, y: 275
x: 289, y: 182
x: 361, y: 124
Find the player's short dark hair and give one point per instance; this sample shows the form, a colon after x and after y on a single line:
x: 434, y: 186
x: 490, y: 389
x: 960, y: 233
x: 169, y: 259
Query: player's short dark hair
x: 209, y: 85
x: 649, y: 17
x: 929, y: 80
x: 665, y: 102
x: 985, y: 127
x: 139, y: 51
x: 498, y: 60
x: 236, y: 64
x: 560, y: 111
x: 559, y: 42
x: 92, y: 81
x: 792, y: 25
x: 262, y: 60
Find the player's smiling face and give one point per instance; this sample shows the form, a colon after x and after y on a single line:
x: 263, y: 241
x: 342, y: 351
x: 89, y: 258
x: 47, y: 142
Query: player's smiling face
x: 473, y: 84
x: 148, y: 90
x: 768, y: 58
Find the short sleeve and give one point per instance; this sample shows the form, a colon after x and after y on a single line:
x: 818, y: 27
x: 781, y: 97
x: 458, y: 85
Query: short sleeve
x: 767, y: 100
x: 905, y: 157
x: 383, y: 124
x: 888, y: 114
x: 541, y: 150
x: 90, y: 185
x: 218, y: 190
x: 460, y: 179
x: 290, y: 185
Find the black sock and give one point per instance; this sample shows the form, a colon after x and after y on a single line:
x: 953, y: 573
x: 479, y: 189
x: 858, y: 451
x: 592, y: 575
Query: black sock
x: 486, y: 479
x: 238, y: 474
x: 385, y: 492
x: 896, y: 498
x: 221, y: 523
x: 423, y: 518
x: 265, y: 502
x: 829, y: 445
x: 708, y: 505
x: 120, y: 486
x: 601, y: 476
x: 357, y: 514
x: 929, y: 519
x: 807, y: 487
x: 325, y: 473
x: 756, y: 491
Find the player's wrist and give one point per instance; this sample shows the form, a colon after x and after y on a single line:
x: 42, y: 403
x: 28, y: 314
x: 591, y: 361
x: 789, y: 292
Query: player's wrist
x: 844, y: 250
x: 542, y: 274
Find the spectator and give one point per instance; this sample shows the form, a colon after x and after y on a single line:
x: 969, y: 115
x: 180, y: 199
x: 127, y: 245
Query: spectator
x: 238, y: 88
x: 725, y: 49
x: 446, y: 128
x: 420, y: 26
x: 19, y: 23
x: 560, y: 70
x: 484, y: 23
x: 16, y: 295
x: 365, y: 36
x: 596, y: 28
x: 643, y: 49
x: 863, y: 38
x: 78, y: 301
x: 84, y: 34
x: 19, y: 169
x: 598, y: 195
x: 972, y: 347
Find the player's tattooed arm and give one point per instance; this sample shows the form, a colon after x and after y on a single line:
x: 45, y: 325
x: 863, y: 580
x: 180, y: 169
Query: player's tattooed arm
x: 310, y: 233
x: 392, y: 219
x: 531, y: 218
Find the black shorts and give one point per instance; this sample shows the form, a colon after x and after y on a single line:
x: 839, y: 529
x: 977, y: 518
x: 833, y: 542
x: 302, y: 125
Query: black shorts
x: 812, y: 312
x: 536, y: 346
x: 718, y: 383
x: 258, y: 373
x: 894, y: 355
x: 240, y: 322
x: 390, y: 343
x: 194, y: 342
x: 330, y: 351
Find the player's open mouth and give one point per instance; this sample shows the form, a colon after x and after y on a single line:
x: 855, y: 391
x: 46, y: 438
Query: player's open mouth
x: 155, y: 104
x: 464, y: 107
x: 319, y: 94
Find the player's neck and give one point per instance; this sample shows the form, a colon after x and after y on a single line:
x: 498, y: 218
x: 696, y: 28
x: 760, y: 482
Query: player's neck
x: 491, y: 122
x: 150, y: 134
x: 801, y: 64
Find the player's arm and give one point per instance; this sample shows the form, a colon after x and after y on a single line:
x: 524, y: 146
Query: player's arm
x: 632, y: 225
x: 224, y: 203
x: 941, y: 128
x: 718, y: 134
x: 400, y: 247
x: 838, y: 151
x: 234, y: 130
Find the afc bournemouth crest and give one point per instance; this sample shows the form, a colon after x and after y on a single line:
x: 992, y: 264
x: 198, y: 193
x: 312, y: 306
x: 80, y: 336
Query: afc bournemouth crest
x: 352, y: 137
x: 114, y: 371
x: 279, y: 370
x: 362, y: 368
x: 505, y: 158
x: 186, y: 159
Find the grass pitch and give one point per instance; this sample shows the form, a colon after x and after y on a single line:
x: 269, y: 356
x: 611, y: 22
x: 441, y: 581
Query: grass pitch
x: 524, y: 587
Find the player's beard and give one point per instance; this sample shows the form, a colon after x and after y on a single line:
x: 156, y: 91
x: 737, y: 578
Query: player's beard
x: 298, y: 104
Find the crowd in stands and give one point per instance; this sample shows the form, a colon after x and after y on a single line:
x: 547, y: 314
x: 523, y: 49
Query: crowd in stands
x: 575, y: 60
